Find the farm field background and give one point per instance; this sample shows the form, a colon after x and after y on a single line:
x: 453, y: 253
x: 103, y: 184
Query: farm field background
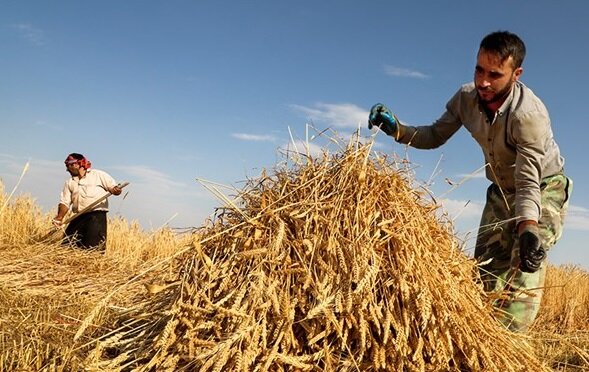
x: 65, y: 309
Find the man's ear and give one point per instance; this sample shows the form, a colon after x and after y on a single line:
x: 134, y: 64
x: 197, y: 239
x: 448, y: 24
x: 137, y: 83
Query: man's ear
x: 517, y: 73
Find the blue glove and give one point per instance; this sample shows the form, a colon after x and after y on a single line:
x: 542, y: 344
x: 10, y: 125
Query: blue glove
x: 531, y: 253
x: 380, y: 116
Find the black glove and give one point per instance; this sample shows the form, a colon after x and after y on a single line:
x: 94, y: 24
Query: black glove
x: 380, y: 116
x: 531, y: 253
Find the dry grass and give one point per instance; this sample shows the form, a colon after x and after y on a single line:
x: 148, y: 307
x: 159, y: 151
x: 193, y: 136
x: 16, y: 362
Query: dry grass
x: 561, y: 331
x: 336, y: 263
x: 47, y: 290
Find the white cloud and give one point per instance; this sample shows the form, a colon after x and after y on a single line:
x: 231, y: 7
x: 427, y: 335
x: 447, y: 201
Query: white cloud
x: 577, y: 218
x: 146, y: 175
x: 480, y: 174
x: 155, y: 196
x: 465, y: 216
x: 468, y: 213
x: 30, y: 33
x: 299, y: 147
x: 403, y: 72
x: 253, y: 137
x: 578, y: 209
x: 341, y: 115
x: 462, y: 209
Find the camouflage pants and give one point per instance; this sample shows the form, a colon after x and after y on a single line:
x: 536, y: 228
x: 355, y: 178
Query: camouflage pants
x: 497, y: 249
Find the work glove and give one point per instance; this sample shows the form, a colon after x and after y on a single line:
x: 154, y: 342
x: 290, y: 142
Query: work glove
x: 380, y: 116
x: 531, y: 253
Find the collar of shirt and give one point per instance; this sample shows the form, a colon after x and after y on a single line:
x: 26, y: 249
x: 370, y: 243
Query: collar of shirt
x: 506, y: 104
x: 77, y: 178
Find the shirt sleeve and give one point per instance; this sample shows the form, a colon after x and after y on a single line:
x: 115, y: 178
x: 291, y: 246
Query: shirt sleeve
x: 65, y: 197
x: 436, y: 134
x: 531, y: 132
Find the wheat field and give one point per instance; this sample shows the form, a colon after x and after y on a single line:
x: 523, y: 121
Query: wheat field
x: 307, y: 268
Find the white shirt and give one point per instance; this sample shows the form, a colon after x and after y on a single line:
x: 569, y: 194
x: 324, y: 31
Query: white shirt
x: 78, y: 193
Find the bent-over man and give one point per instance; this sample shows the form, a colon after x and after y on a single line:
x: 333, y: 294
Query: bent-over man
x: 528, y: 198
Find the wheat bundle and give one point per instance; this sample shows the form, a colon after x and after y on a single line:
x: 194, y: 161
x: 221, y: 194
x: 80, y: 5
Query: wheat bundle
x: 334, y: 264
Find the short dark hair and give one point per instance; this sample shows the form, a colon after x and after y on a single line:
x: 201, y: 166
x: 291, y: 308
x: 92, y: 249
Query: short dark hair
x: 505, y: 44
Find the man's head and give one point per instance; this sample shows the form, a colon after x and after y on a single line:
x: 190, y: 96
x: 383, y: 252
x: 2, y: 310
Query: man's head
x: 504, y: 44
x: 499, y: 62
x: 76, y: 163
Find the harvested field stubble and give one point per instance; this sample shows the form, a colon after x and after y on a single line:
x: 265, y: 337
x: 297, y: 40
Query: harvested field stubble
x: 47, y: 290
x: 560, y: 333
x: 333, y: 264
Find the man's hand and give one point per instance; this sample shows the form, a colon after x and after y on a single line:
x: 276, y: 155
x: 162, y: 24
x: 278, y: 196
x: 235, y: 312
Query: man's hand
x: 57, y: 222
x: 115, y: 190
x: 531, y: 253
x: 380, y: 116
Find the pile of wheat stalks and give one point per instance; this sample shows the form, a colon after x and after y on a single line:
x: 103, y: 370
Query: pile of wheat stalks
x: 333, y: 264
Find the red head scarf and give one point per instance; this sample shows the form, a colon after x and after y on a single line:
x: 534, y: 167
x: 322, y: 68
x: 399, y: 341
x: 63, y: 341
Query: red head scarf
x: 84, y: 163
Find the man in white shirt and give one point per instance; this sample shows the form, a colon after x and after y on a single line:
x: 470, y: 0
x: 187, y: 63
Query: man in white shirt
x: 88, y: 230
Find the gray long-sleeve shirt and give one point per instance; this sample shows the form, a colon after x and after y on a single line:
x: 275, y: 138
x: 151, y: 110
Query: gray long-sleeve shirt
x: 518, y: 144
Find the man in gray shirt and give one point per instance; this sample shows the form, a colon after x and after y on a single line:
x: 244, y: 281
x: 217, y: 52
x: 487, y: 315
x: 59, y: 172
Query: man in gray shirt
x: 529, y: 194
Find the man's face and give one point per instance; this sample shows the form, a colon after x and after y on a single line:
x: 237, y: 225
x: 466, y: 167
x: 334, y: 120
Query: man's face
x: 73, y: 169
x: 494, y: 78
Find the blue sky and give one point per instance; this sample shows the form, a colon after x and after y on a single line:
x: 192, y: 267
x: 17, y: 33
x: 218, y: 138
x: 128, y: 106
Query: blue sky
x: 161, y: 93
